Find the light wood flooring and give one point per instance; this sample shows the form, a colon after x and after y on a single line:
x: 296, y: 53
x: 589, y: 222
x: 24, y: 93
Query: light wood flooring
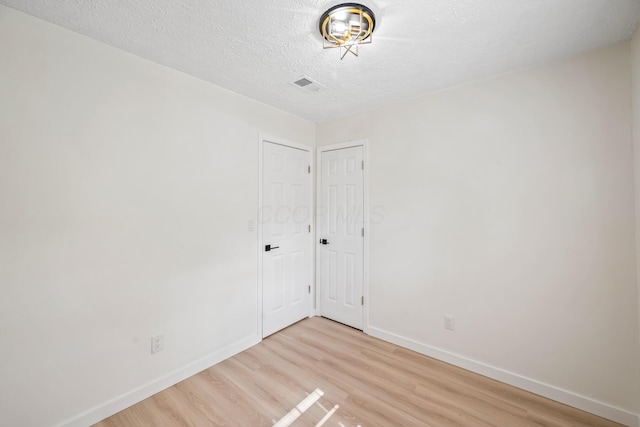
x: 372, y: 382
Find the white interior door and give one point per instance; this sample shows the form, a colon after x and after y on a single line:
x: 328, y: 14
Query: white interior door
x: 285, y: 215
x: 341, y: 235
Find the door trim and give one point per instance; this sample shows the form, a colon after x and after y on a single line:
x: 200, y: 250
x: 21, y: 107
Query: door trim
x: 267, y: 138
x: 364, y: 143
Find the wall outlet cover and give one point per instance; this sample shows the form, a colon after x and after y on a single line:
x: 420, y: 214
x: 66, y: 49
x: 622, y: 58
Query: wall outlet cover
x: 157, y: 343
x: 449, y: 323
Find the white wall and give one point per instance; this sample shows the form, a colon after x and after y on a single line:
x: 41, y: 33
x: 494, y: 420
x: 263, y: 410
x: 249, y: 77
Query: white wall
x: 509, y: 204
x: 125, y: 191
x: 635, y: 76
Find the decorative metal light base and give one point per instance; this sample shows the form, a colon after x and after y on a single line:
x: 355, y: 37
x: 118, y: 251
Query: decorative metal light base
x: 346, y: 27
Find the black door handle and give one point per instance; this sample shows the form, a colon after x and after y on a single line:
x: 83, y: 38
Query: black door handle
x: 267, y: 248
x: 324, y: 242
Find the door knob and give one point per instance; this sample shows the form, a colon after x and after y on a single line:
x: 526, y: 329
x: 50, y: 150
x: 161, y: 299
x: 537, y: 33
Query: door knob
x: 324, y: 242
x: 268, y: 248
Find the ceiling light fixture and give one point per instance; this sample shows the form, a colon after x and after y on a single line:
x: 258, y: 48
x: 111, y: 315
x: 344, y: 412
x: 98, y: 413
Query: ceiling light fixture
x: 347, y: 26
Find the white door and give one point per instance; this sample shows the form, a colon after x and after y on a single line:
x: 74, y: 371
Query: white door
x: 285, y: 216
x: 341, y: 235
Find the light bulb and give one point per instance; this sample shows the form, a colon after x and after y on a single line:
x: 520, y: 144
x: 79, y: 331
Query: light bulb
x: 338, y: 27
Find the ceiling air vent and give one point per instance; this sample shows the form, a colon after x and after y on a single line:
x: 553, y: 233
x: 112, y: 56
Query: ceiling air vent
x: 308, y: 84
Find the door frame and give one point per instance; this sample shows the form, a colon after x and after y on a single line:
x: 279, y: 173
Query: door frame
x: 364, y: 143
x: 263, y: 139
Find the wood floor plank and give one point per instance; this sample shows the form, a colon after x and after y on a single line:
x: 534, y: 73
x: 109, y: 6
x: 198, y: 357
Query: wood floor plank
x: 366, y: 381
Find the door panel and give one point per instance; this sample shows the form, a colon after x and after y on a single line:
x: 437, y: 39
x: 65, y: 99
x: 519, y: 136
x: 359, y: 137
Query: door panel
x: 341, y: 222
x: 285, y: 216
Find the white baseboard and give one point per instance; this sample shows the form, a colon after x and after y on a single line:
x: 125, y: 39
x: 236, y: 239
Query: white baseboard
x: 593, y: 406
x: 554, y: 393
x: 132, y: 397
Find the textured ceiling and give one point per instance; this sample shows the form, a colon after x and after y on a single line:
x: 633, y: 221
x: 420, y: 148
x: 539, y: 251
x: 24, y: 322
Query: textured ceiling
x: 257, y: 47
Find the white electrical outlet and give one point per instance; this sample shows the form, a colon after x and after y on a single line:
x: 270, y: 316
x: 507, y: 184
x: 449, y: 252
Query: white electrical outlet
x: 252, y: 225
x: 449, y: 322
x: 157, y: 343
